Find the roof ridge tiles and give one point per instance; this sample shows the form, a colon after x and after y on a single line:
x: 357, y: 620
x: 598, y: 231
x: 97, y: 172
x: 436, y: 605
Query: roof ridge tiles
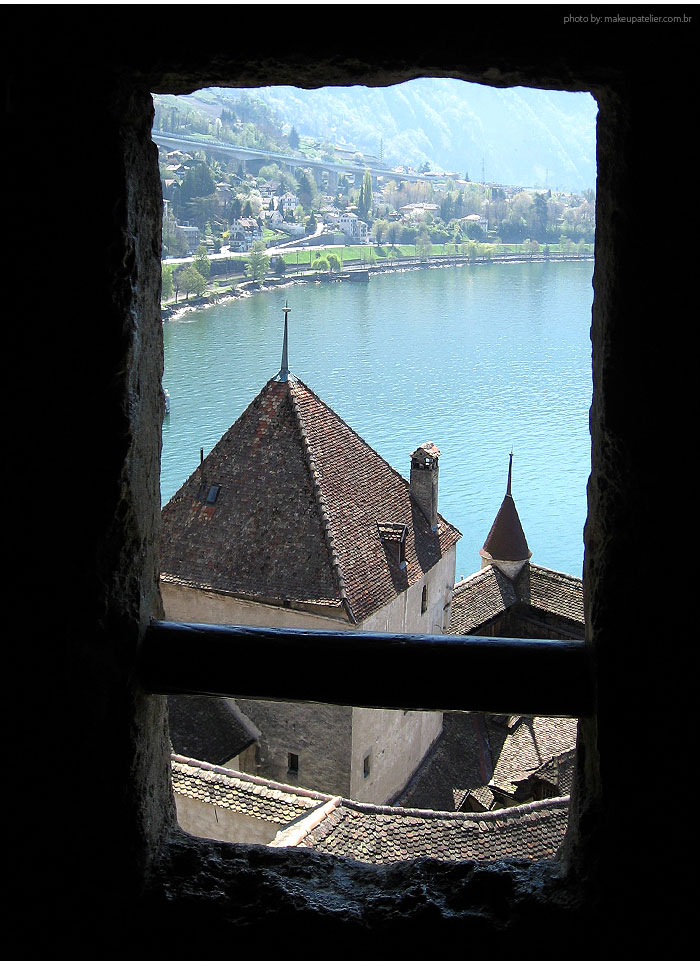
x: 295, y: 833
x: 318, y: 493
x: 265, y: 783
x: 364, y: 442
x: 512, y: 812
x: 556, y: 574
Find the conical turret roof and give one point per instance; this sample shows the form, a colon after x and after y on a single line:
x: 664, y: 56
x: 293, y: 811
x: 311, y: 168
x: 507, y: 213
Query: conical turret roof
x: 506, y: 539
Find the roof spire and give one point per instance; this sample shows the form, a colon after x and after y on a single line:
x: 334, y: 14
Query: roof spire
x: 510, y: 473
x: 283, y: 374
x: 506, y: 545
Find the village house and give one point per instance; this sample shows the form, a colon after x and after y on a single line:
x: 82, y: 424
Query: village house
x: 287, y: 203
x: 354, y: 229
x: 191, y: 235
x: 478, y: 220
x: 243, y: 232
x: 418, y: 211
x: 293, y: 520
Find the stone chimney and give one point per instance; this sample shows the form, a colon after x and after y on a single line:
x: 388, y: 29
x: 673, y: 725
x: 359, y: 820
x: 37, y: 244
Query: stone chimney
x: 424, y: 481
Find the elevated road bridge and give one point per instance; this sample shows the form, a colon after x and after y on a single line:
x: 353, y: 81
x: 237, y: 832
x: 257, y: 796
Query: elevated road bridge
x: 286, y: 161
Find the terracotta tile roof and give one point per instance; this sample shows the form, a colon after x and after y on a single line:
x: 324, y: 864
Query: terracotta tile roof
x: 207, y: 728
x: 296, y: 515
x: 461, y: 760
x: 486, y: 594
x: 492, y: 759
x: 375, y: 833
x: 558, y: 772
x: 553, y: 592
x: 479, y: 598
x: 530, y: 744
x: 265, y: 800
x: 381, y: 834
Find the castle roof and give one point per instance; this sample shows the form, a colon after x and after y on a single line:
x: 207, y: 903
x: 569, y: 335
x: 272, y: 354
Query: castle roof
x: 506, y: 539
x: 286, y: 509
x: 375, y: 833
x: 246, y: 794
x: 489, y: 593
x: 530, y: 744
x: 383, y: 834
x: 207, y: 727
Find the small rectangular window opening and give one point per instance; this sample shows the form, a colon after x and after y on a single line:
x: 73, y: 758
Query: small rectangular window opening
x: 366, y: 766
x: 293, y: 763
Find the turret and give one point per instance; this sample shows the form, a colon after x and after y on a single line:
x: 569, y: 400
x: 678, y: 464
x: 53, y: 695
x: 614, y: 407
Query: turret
x: 506, y: 547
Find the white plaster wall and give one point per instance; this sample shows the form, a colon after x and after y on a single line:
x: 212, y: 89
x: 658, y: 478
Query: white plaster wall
x: 182, y: 603
x: 397, y: 742
x: 210, y: 821
x: 403, y: 614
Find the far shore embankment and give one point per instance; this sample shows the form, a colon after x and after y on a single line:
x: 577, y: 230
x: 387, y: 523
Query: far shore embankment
x: 353, y: 274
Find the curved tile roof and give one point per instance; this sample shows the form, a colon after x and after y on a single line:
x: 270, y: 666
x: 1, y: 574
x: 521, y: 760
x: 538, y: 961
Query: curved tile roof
x: 381, y: 834
x: 265, y: 800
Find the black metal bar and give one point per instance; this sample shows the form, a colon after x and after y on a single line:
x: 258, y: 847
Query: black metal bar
x: 410, y: 672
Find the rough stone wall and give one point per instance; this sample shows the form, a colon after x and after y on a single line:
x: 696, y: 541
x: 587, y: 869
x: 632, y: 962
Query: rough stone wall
x: 80, y: 887
x: 319, y: 734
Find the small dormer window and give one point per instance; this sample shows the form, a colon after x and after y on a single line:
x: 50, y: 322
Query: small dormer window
x: 208, y: 493
x: 393, y: 536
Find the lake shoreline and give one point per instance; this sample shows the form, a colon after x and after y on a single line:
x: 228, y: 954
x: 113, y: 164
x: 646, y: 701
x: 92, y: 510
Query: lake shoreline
x: 247, y: 288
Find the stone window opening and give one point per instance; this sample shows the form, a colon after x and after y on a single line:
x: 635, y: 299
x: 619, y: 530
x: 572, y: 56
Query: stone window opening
x: 608, y: 898
x: 398, y: 546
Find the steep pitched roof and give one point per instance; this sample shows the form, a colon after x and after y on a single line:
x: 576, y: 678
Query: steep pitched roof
x: 530, y: 744
x: 297, y: 511
x: 207, y: 727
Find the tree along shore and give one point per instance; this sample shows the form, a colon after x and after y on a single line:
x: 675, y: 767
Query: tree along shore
x: 230, y: 288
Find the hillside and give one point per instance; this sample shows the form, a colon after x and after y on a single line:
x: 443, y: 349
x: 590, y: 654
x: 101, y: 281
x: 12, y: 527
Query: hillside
x: 533, y: 138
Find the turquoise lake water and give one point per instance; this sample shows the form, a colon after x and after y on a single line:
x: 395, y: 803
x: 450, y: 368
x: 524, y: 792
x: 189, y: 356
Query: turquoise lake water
x: 479, y: 359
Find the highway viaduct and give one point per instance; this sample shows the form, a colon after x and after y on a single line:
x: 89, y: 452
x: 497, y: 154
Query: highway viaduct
x: 334, y: 169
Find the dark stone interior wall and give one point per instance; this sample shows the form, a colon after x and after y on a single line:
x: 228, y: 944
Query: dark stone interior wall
x: 97, y: 868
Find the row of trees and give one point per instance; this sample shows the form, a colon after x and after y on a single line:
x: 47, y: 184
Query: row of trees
x: 192, y: 277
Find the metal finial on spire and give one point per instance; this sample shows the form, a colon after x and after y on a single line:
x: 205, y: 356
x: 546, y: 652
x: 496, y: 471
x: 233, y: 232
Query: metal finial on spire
x: 510, y: 473
x: 283, y: 374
